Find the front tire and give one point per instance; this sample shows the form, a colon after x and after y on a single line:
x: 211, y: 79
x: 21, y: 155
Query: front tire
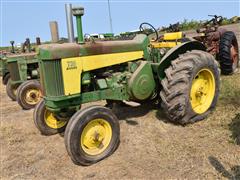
x: 92, y: 134
x: 228, y: 53
x: 5, y: 78
x: 11, y: 90
x: 46, y: 121
x: 191, y: 87
x: 29, y: 94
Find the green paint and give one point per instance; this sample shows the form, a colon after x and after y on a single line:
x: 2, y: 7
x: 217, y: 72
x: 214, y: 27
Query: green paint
x: 79, y: 29
x: 102, y: 84
x: 142, y: 83
x: 86, y: 78
x: 136, y: 80
x: 3, y: 65
x: 51, y: 78
x: 21, y: 67
x: 56, y: 104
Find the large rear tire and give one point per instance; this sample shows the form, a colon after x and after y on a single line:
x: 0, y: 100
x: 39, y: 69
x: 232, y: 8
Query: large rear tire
x: 12, y: 90
x: 228, y: 53
x: 29, y: 94
x: 92, y: 134
x: 191, y: 87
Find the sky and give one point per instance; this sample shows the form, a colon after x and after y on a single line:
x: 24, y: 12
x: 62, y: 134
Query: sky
x: 22, y: 19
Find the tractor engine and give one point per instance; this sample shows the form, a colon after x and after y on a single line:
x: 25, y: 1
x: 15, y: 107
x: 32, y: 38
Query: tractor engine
x: 134, y: 77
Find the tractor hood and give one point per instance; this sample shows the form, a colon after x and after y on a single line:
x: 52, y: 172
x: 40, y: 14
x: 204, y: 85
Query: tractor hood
x: 68, y: 50
x: 26, y: 56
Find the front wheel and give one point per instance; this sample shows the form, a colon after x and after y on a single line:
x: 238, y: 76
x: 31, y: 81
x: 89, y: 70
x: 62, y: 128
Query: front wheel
x: 12, y: 90
x: 46, y: 121
x: 29, y: 94
x: 92, y: 134
x: 191, y: 87
x: 5, y: 78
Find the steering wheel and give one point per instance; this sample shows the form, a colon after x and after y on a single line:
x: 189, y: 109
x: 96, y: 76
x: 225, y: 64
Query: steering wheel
x: 216, y: 20
x: 148, y: 31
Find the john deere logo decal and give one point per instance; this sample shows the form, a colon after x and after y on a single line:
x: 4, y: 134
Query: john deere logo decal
x: 71, y: 65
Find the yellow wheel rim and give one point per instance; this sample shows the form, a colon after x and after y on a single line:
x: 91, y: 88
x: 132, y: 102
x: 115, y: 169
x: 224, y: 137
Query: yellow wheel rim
x: 14, y: 91
x: 96, y: 136
x: 52, y: 121
x: 32, y: 96
x: 202, y: 91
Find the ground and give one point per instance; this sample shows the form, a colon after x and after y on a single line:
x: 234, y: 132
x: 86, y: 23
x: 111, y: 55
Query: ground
x: 150, y: 147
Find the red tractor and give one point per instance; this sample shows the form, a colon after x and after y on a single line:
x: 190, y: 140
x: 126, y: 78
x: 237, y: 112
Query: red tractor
x: 221, y: 43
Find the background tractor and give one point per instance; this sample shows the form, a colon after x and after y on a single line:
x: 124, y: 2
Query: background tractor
x: 220, y: 43
x: 3, y: 68
x: 185, y: 79
x: 24, y: 85
x: 20, y: 75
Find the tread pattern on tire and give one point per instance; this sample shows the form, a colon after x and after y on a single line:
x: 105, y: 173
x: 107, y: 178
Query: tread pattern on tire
x: 5, y: 78
x: 177, y: 84
x: 9, y: 90
x: 69, y: 133
x: 225, y: 60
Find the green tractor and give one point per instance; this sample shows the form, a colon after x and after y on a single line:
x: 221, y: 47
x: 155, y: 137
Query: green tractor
x: 24, y: 85
x: 3, y: 69
x: 185, y: 79
x: 19, y: 71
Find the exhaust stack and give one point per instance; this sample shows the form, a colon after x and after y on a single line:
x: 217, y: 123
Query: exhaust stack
x: 78, y: 11
x: 68, y: 9
x: 12, y: 47
x: 38, y: 41
x: 54, y: 31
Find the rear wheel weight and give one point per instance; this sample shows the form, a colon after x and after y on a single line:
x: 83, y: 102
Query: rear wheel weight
x: 228, y: 53
x: 29, y: 94
x: 191, y: 87
x: 46, y: 122
x: 92, y: 134
x: 11, y: 90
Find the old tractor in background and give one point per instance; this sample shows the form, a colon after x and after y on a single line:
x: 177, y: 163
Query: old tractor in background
x: 185, y: 79
x: 24, y: 85
x: 3, y: 68
x: 20, y: 74
x: 220, y: 43
x: 4, y: 54
x: 171, y: 28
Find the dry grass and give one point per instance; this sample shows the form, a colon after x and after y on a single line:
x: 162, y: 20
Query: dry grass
x: 150, y: 148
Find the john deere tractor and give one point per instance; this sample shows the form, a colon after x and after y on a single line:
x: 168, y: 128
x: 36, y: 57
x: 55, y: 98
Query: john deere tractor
x: 3, y: 69
x: 185, y: 79
x: 19, y: 71
x: 24, y: 85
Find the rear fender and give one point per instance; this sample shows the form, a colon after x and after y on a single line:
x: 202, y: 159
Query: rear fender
x: 174, y: 53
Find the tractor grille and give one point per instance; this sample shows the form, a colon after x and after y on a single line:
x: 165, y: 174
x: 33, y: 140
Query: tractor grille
x: 14, y: 71
x: 51, y: 74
